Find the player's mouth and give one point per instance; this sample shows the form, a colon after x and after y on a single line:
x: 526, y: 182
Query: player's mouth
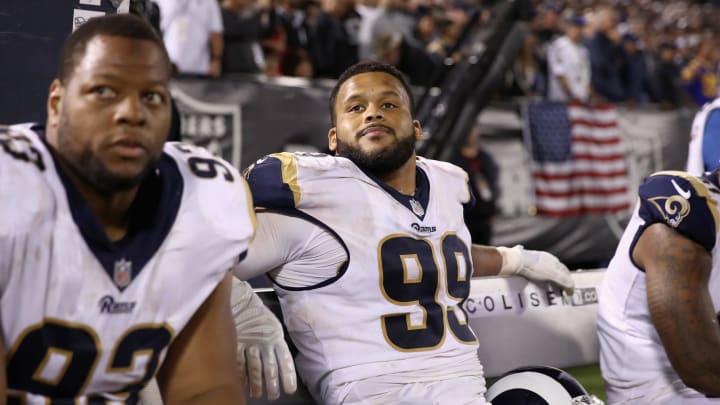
x: 375, y: 130
x: 128, y: 149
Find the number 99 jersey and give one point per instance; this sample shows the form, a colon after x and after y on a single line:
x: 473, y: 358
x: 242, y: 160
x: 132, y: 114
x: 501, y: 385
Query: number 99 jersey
x: 87, y: 320
x: 395, y: 304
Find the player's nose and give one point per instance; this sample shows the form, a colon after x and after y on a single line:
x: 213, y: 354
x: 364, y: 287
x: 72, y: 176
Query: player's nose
x: 131, y: 111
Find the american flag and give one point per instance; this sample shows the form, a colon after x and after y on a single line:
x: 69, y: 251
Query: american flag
x: 578, y: 160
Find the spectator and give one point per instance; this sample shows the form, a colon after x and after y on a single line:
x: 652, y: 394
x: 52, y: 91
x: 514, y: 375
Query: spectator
x: 526, y: 78
x: 605, y: 56
x: 699, y: 75
x: 634, y: 71
x: 414, y: 62
x: 667, y: 78
x: 193, y: 34
x: 393, y: 18
x: 298, y: 64
x: 243, y: 29
x: 483, y: 175
x: 333, y: 38
x: 569, y: 64
x: 148, y: 10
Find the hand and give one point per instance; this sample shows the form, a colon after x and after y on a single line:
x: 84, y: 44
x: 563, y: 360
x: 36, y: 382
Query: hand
x: 215, y: 68
x: 535, y: 265
x: 262, y: 353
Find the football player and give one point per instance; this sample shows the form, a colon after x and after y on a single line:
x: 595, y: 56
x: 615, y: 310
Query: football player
x: 370, y: 257
x: 114, y: 246
x: 658, y: 304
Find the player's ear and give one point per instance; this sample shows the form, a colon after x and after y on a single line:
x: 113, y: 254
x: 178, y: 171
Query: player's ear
x: 332, y: 139
x: 418, y: 130
x: 53, y: 102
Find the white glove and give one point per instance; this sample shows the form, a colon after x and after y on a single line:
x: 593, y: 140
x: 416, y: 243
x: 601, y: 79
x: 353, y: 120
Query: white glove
x: 262, y: 353
x: 534, y: 265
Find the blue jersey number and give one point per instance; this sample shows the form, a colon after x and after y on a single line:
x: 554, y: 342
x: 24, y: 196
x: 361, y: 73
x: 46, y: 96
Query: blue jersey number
x: 410, y: 276
x: 57, y: 359
x: 206, y: 168
x: 20, y: 147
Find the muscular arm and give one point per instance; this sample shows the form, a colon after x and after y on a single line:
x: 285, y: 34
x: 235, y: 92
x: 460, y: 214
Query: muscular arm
x: 200, y: 365
x: 486, y: 260
x: 681, y: 309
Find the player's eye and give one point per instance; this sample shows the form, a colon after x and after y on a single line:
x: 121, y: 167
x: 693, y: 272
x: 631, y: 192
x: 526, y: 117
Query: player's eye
x: 154, y: 97
x: 104, y: 92
x: 389, y: 105
x: 356, y: 108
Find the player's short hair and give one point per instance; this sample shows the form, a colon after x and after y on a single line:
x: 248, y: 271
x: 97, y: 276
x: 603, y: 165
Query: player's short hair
x: 368, y: 67
x: 117, y: 25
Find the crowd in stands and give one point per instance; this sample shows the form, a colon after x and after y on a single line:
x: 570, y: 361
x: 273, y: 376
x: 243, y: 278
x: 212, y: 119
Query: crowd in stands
x: 622, y: 51
x: 630, y: 52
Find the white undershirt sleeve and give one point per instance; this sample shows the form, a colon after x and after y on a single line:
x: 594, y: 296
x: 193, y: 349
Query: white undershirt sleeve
x: 296, y: 252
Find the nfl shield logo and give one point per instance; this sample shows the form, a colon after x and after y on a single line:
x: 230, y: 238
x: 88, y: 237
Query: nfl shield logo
x: 122, y: 273
x: 417, y: 207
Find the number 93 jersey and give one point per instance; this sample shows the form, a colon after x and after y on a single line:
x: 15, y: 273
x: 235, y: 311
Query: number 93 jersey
x: 395, y: 304
x: 87, y: 320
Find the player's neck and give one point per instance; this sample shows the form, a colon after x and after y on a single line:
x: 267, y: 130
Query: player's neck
x: 111, y: 210
x: 402, y: 179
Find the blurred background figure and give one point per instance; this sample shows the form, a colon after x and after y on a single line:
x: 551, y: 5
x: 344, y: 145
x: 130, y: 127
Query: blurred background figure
x: 700, y: 74
x: 483, y: 175
x: 242, y: 34
x: 606, y: 56
x: 633, y: 73
x: 394, y: 17
x: 668, y: 89
x: 333, y: 38
x: 527, y: 77
x: 569, y: 64
x: 148, y: 10
x: 193, y: 35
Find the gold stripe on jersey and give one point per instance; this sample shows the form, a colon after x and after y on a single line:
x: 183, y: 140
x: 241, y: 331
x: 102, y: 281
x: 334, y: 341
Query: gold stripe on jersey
x: 700, y: 189
x: 289, y: 173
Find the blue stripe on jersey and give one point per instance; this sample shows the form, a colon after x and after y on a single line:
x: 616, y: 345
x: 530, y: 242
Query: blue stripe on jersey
x: 711, y: 141
x: 150, y: 218
x: 273, y: 181
x: 343, y: 268
x: 681, y: 202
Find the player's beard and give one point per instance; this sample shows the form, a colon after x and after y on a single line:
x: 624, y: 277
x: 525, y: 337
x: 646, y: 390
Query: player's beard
x: 86, y: 166
x: 382, y: 162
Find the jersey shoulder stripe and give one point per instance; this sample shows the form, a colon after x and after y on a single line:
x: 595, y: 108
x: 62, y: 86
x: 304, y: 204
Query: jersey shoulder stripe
x: 684, y: 202
x: 275, y: 179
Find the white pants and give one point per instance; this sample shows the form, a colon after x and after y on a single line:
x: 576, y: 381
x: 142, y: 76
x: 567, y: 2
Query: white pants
x: 662, y: 392
x: 379, y: 391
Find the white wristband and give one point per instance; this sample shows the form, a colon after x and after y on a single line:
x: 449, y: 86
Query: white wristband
x: 512, y: 260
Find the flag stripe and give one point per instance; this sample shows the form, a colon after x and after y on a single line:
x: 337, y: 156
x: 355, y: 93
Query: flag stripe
x: 578, y: 159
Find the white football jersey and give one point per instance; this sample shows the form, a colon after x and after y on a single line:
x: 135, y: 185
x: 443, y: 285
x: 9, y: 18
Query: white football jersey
x: 395, y: 305
x: 89, y: 320
x: 634, y: 364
